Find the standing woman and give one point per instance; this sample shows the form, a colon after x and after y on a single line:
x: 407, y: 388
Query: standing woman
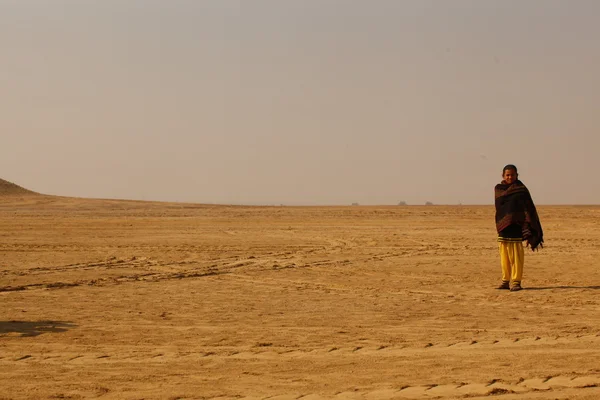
x: 516, y: 221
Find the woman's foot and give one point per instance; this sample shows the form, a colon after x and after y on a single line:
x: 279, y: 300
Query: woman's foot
x: 516, y: 287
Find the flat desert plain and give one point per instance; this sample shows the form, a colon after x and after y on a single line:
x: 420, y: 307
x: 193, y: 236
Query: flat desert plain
x: 141, y: 300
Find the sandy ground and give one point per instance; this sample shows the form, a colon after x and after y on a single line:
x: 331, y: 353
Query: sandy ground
x: 132, y: 300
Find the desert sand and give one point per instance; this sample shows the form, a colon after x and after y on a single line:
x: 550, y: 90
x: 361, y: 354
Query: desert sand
x: 139, y: 300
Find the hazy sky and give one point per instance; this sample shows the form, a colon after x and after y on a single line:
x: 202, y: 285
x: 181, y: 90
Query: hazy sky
x: 300, y: 102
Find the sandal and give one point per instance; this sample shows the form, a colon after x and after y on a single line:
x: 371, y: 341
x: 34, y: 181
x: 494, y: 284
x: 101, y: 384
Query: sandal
x: 504, y: 285
x: 516, y: 287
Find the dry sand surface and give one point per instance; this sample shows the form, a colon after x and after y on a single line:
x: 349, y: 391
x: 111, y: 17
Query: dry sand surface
x: 134, y: 300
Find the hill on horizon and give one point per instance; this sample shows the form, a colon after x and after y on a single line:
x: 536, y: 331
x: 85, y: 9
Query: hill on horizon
x: 10, y: 189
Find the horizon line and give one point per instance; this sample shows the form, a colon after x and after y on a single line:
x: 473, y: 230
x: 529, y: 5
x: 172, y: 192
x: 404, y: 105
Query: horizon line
x: 280, y: 204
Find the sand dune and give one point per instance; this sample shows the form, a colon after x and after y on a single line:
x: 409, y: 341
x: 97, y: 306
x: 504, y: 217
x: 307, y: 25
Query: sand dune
x: 11, y: 189
x: 131, y: 300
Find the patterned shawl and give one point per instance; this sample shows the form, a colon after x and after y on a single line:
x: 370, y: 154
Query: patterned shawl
x: 514, y: 205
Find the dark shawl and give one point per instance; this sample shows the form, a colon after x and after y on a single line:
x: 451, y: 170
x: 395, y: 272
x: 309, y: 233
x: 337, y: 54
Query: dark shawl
x: 514, y: 205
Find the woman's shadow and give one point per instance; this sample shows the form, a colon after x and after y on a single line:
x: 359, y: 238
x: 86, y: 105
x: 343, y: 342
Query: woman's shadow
x: 34, y: 328
x: 562, y: 287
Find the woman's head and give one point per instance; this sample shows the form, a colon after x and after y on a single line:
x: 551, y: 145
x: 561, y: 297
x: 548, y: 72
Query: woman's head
x: 510, y: 174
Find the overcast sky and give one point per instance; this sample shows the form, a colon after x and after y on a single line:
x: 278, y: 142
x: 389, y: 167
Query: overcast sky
x: 301, y: 102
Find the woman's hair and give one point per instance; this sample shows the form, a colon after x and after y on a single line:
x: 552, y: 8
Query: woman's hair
x: 509, y: 167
